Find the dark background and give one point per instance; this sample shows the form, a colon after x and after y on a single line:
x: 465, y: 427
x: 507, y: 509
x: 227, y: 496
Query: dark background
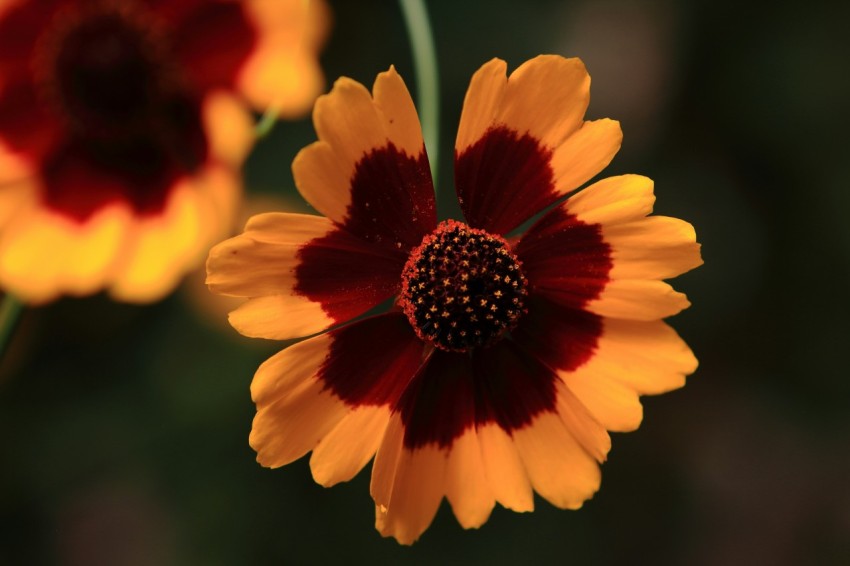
x: 123, y: 429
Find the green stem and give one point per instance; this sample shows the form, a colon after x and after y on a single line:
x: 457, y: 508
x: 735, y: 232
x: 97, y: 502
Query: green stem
x: 427, y: 79
x: 10, y: 313
x: 266, y: 123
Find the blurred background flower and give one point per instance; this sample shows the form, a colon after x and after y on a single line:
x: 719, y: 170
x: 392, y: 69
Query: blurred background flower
x: 123, y: 127
x: 143, y: 415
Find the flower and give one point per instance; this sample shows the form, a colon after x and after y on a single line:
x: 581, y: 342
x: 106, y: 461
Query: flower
x: 123, y: 125
x: 505, y: 359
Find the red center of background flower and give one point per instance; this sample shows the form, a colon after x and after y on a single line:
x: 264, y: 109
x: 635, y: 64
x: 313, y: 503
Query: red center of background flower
x: 462, y: 288
x: 102, y: 68
x: 119, y: 84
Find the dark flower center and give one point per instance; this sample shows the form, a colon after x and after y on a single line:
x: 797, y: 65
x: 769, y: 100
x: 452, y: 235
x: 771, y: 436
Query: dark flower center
x: 105, y: 67
x: 462, y: 288
x: 133, y: 124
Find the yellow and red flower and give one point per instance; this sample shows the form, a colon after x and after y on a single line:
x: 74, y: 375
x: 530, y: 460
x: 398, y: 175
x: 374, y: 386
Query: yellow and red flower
x: 123, y: 125
x: 506, y: 359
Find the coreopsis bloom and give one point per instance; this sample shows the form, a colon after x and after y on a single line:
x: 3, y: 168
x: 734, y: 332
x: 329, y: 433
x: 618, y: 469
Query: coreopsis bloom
x: 505, y: 359
x: 123, y: 125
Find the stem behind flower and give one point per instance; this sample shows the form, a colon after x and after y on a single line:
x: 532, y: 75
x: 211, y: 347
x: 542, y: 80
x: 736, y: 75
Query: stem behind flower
x: 427, y: 77
x: 10, y: 313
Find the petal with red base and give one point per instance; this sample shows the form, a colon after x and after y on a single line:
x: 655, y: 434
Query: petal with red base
x: 369, y: 172
x: 550, y: 430
x: 302, y: 273
x: 260, y: 263
x: 455, y: 392
x: 607, y: 363
x: 522, y: 142
x: 487, y: 429
x: 642, y: 249
x: 353, y: 376
x: 598, y: 252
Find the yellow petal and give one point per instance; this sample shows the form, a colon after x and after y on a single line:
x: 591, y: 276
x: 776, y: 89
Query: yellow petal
x: 613, y: 200
x: 638, y: 299
x: 483, y: 100
x: 561, y: 471
x: 229, y: 127
x: 417, y: 489
x: 290, y: 427
x: 279, y: 317
x: 504, y: 469
x: 350, y: 445
x: 283, y: 70
x: 585, y: 153
x: 44, y: 255
x: 656, y: 247
x: 467, y: 487
x: 289, y: 368
x: 581, y: 424
x: 546, y: 97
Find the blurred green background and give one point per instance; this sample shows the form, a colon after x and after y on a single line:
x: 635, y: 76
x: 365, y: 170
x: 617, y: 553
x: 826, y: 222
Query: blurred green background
x: 123, y: 430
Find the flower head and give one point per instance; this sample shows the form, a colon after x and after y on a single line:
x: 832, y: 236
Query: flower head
x: 506, y: 359
x: 123, y: 125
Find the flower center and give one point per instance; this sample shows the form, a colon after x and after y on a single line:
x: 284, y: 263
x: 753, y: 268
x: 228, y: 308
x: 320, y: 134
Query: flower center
x: 102, y: 65
x: 462, y: 288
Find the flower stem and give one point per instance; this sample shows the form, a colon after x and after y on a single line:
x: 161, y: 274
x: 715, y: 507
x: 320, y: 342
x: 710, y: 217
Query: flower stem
x: 266, y: 123
x: 10, y: 313
x: 427, y: 79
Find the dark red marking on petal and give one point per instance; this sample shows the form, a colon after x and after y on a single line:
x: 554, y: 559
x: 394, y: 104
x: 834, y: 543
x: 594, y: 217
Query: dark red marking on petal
x: 439, y: 404
x: 392, y: 198
x: 175, y: 12
x: 504, y: 179
x: 25, y: 126
x: 20, y: 27
x: 371, y: 361
x: 452, y: 392
x: 83, y: 175
x: 512, y: 386
x: 346, y: 274
x: 564, y: 338
x: 213, y: 43
x: 565, y: 259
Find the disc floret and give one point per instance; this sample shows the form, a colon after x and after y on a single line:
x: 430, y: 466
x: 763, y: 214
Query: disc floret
x: 462, y: 287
